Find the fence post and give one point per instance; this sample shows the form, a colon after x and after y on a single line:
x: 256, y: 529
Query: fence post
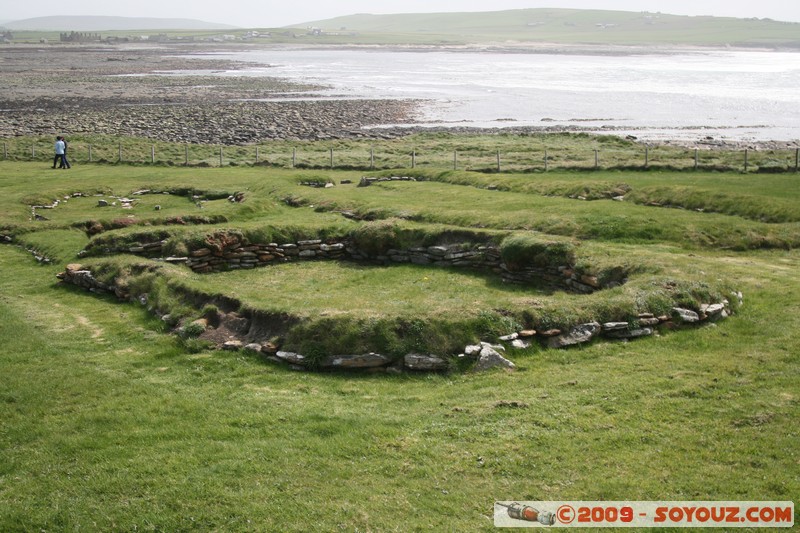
x: 646, y: 156
x: 745, y: 159
x: 413, y: 159
x: 455, y: 160
x: 90, y: 153
x: 545, y: 160
x: 371, y: 158
x: 596, y: 160
x: 498, y: 160
x: 796, y: 158
x: 33, y: 152
x: 695, y: 158
x: 152, y: 153
x: 331, y: 158
x: 5, y: 151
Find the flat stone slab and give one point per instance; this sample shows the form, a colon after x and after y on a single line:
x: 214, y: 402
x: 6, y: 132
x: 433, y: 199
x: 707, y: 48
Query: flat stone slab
x: 576, y: 335
x: 424, y: 362
x: 370, y: 360
x: 291, y: 357
x: 686, y: 316
x: 629, y: 333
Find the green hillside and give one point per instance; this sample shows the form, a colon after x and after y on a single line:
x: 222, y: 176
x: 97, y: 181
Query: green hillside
x: 568, y: 26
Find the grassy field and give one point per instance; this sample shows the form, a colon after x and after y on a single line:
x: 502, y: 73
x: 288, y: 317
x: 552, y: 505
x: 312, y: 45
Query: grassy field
x: 535, y: 152
x: 510, y: 27
x: 567, y: 26
x: 107, y: 422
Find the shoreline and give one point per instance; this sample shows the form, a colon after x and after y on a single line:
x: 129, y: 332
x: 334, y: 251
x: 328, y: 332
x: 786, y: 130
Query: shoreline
x: 528, y: 48
x: 77, y: 89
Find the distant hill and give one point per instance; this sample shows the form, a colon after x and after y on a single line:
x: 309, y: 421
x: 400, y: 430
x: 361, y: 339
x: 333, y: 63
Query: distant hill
x: 566, y: 26
x: 79, y: 23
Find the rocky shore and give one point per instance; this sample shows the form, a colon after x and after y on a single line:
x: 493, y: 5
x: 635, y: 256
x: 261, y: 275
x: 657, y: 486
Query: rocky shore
x: 164, y: 93
x: 233, y: 123
x: 89, y: 90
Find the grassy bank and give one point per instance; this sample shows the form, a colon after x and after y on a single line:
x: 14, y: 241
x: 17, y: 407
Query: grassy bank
x: 562, y: 26
x: 109, y: 423
x: 499, y: 152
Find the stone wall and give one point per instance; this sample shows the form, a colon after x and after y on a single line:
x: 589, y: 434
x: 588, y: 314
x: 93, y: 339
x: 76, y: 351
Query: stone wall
x: 481, y: 357
x: 39, y: 256
x: 486, y: 258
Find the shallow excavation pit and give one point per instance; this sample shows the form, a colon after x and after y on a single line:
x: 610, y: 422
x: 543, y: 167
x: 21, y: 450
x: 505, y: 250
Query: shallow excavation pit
x: 348, y: 304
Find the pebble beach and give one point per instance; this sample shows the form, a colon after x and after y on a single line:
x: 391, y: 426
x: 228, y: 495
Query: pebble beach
x: 164, y: 92
x: 51, y: 89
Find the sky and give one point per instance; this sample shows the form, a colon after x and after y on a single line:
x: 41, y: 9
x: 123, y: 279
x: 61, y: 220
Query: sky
x: 278, y: 13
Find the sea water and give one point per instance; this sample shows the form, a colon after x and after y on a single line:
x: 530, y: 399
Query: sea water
x: 726, y: 94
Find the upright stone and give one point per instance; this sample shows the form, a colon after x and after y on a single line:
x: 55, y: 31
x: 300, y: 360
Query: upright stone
x: 490, y: 358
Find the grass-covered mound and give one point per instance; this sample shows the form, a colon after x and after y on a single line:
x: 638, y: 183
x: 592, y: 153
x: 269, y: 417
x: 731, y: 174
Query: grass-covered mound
x: 370, y: 297
x: 596, y: 228
x: 110, y: 422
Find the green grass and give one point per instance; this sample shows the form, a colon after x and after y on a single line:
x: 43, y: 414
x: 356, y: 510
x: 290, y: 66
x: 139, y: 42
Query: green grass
x: 534, y: 152
x: 332, y: 288
x: 559, y: 26
x: 566, y: 26
x: 547, y: 25
x: 325, y: 308
x: 605, y: 219
x: 765, y: 198
x: 108, y: 423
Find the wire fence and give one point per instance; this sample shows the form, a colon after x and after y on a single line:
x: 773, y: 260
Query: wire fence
x: 364, y: 157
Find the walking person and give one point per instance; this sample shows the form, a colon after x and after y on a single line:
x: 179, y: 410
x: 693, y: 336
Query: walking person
x: 64, y: 161
x: 59, y: 148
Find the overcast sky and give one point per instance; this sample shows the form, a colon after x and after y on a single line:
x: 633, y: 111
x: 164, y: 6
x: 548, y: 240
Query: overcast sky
x: 277, y: 13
